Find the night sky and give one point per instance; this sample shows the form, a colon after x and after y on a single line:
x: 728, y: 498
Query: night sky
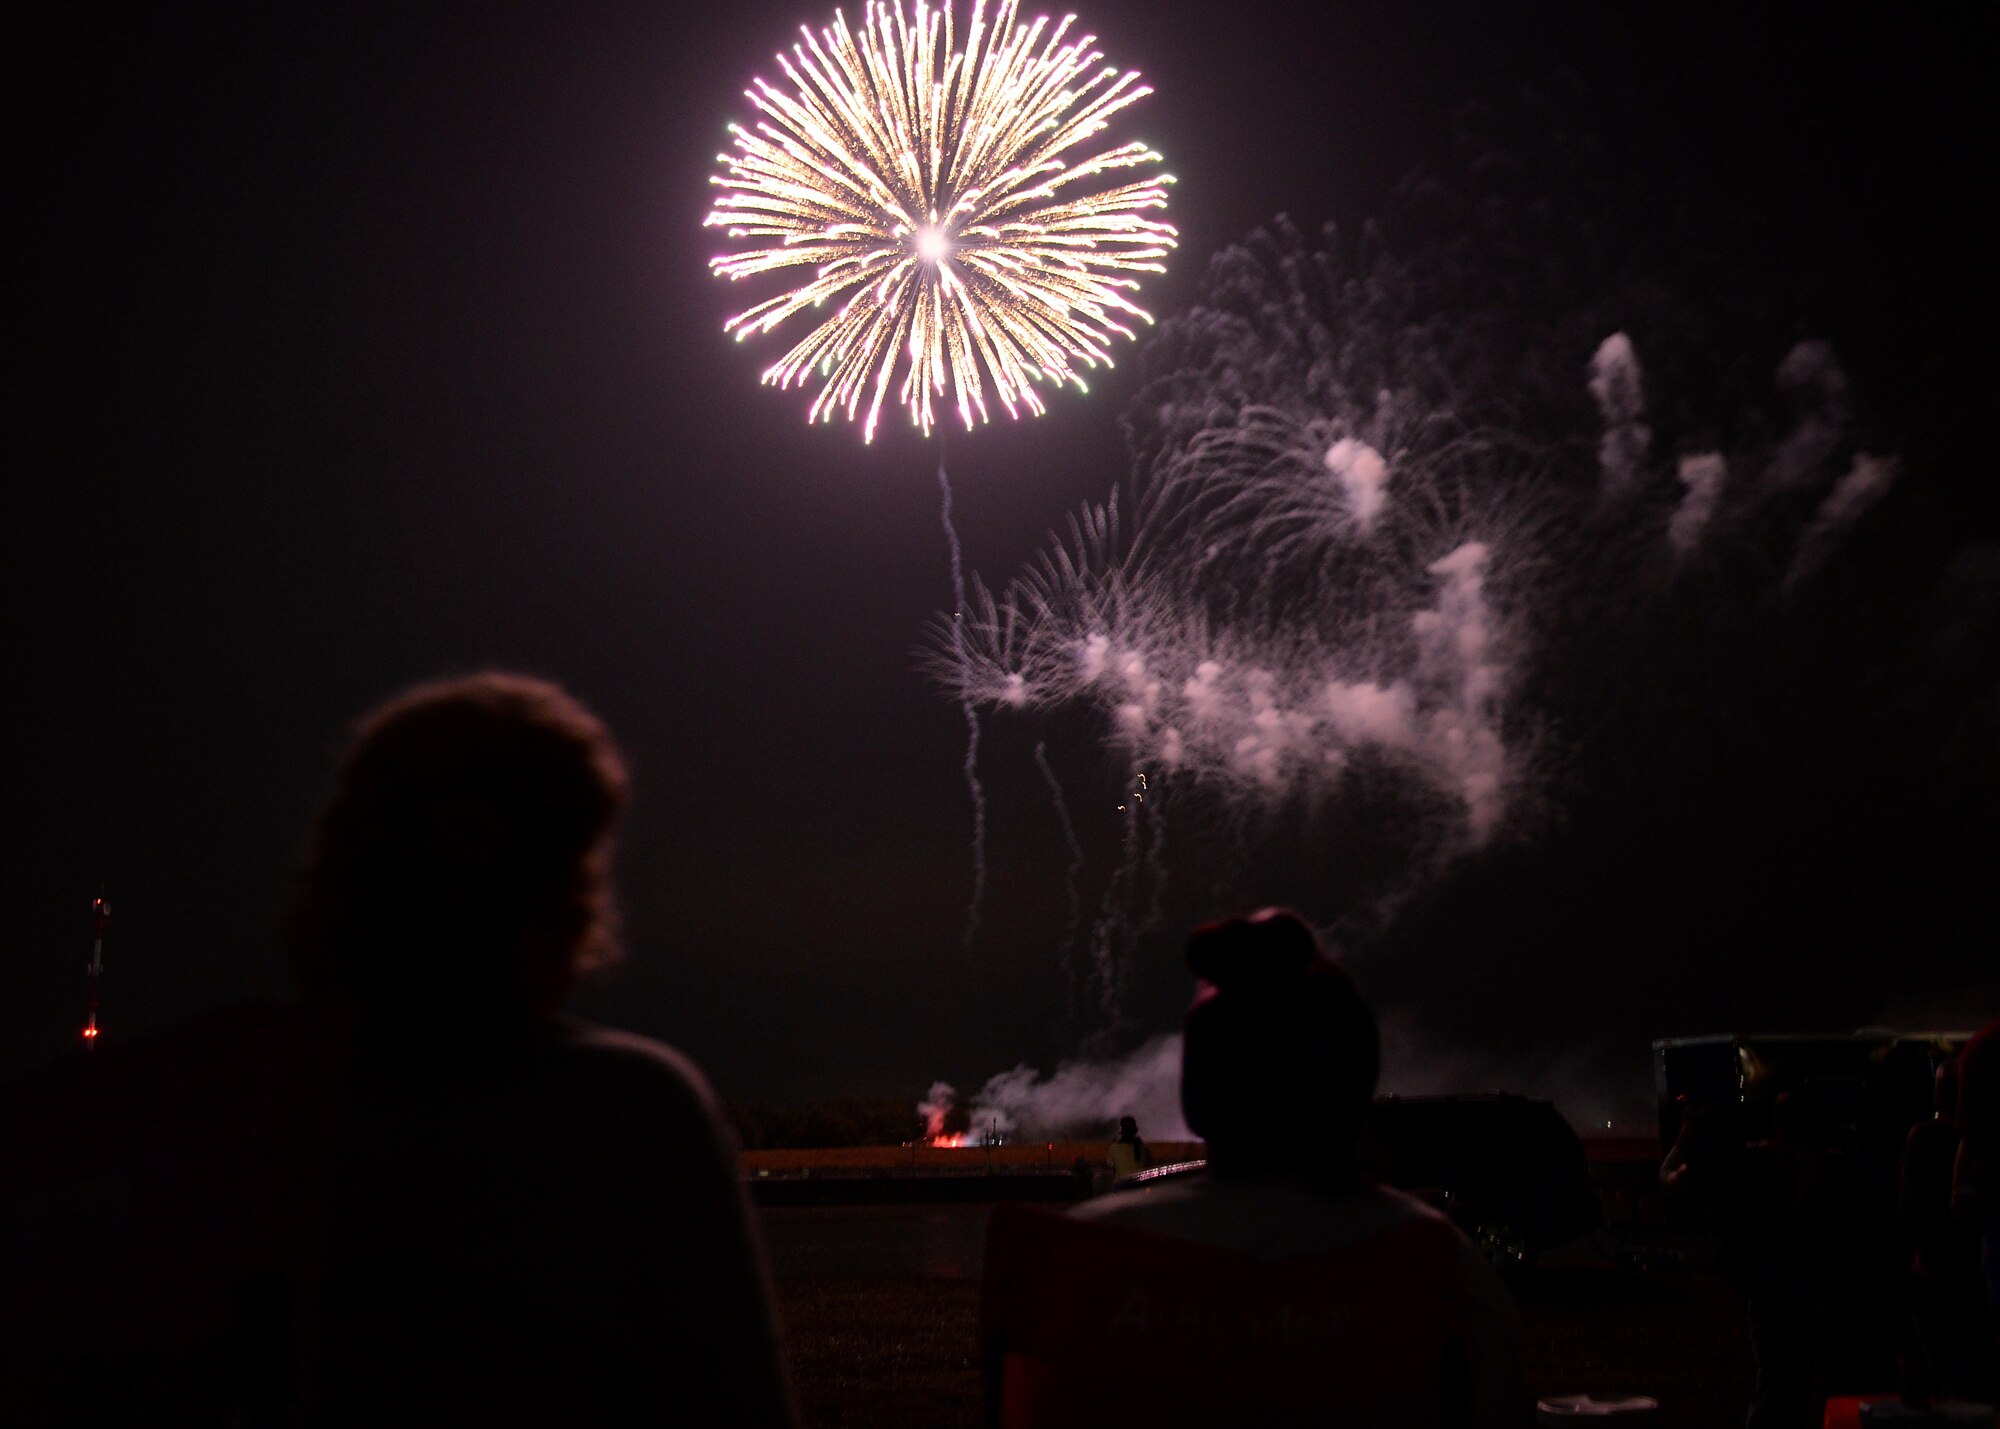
x: 369, y: 343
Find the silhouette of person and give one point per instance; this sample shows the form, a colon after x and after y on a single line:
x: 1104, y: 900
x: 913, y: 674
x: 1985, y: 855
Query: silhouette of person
x: 1975, y: 1185
x: 1128, y: 1151
x: 1704, y: 1166
x: 497, y: 1213
x: 1776, y: 1247
x: 1940, y: 1255
x: 1279, y: 1065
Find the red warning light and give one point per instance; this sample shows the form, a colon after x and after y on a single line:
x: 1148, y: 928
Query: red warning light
x: 88, y: 1033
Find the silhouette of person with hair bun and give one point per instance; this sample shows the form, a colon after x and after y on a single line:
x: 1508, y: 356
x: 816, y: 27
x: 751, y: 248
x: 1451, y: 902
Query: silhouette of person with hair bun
x: 1279, y: 1065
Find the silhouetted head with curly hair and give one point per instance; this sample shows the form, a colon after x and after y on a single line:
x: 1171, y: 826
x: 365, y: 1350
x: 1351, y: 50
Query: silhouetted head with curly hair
x: 464, y: 860
x: 1281, y: 1054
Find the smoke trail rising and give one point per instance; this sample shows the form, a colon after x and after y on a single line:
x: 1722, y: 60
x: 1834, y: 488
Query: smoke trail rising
x: 1074, y: 878
x: 965, y: 703
x: 1815, y: 384
x: 1865, y: 483
x: 1703, y: 474
x: 1617, y: 385
x: 935, y: 1107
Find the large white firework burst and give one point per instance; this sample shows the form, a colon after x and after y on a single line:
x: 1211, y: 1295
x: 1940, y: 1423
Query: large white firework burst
x: 934, y: 192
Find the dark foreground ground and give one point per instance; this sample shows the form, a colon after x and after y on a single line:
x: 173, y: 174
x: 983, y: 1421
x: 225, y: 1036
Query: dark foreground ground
x: 881, y: 1307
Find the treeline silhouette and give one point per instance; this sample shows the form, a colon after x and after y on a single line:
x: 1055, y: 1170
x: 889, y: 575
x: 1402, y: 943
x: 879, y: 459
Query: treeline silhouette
x: 837, y: 1121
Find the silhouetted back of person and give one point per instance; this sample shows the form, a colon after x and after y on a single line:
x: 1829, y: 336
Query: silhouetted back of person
x: 1779, y: 1256
x: 1280, y: 1058
x: 495, y: 1213
x: 1925, y: 1231
x: 1705, y: 1163
x: 1940, y: 1254
x: 1975, y: 1183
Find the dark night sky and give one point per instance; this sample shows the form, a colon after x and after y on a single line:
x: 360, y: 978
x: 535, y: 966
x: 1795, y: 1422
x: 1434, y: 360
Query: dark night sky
x: 372, y: 342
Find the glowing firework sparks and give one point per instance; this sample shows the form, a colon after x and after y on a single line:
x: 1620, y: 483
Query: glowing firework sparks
x: 934, y: 193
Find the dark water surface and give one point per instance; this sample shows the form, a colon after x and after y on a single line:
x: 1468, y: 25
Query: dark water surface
x: 875, y: 1242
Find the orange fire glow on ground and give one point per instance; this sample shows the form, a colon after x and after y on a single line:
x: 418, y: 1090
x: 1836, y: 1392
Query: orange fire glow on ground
x: 945, y: 1157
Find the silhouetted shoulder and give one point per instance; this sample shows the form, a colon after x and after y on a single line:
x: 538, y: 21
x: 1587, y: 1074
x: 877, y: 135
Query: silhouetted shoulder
x: 632, y: 1105
x: 1269, y: 1218
x: 626, y: 1064
x: 574, y: 1199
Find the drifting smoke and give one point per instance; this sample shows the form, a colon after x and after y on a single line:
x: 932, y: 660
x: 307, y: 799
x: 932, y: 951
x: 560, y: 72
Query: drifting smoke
x: 1084, y: 1095
x: 1703, y: 474
x: 1455, y: 644
x: 936, y: 1107
x: 1084, y: 1098
x: 1362, y: 475
x: 1866, y: 482
x: 1616, y: 383
x: 1255, y: 719
x: 1812, y: 380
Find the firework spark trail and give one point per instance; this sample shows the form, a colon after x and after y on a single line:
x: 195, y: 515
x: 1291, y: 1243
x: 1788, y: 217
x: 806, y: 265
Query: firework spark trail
x: 1116, y: 936
x: 1074, y: 877
x: 934, y: 192
x: 965, y: 703
x: 1156, y: 857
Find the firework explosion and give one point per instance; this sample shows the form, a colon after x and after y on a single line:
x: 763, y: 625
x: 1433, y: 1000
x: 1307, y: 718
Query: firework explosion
x: 936, y: 194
